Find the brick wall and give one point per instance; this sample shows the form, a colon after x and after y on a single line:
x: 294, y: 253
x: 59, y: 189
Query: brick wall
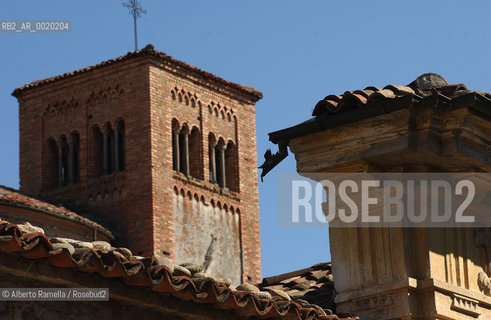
x: 225, y: 115
x: 137, y: 204
x: 78, y: 104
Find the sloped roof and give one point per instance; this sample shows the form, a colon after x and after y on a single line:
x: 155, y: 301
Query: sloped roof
x: 158, y: 274
x: 428, y: 90
x: 18, y: 199
x: 147, y: 51
x: 313, y: 285
x: 336, y: 110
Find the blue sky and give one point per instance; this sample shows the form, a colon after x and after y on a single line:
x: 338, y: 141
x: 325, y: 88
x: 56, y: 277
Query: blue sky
x: 295, y: 52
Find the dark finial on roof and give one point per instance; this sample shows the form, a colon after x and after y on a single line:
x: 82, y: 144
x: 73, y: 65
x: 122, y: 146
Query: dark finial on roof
x: 148, y: 48
x: 428, y: 81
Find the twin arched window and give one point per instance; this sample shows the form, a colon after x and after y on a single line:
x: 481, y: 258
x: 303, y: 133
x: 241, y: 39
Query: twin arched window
x: 108, y: 149
x: 62, y: 161
x: 63, y: 155
x: 223, y: 163
x: 186, y: 150
x: 188, y: 157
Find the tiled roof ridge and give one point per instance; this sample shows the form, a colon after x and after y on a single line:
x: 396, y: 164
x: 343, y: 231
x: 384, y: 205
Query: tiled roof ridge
x: 284, y: 276
x: 426, y: 85
x: 429, y: 90
x: 11, y: 196
x: 148, y: 50
x: 314, y: 285
x: 159, y: 274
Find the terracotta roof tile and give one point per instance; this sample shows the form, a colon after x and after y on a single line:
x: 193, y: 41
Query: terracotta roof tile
x: 359, y: 96
x: 16, y: 198
x: 400, y: 90
x: 157, y: 275
x: 312, y: 285
x: 356, y: 105
x: 426, y: 85
x: 147, y: 51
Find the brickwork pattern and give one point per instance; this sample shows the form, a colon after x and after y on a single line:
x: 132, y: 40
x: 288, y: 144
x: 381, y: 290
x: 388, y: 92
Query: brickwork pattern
x: 137, y: 203
x: 203, y: 108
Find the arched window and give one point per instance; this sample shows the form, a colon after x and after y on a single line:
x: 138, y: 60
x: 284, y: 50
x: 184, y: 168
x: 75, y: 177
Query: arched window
x: 223, y: 163
x: 184, y: 150
x: 108, y: 149
x: 63, y: 161
x: 175, y: 145
x: 74, y: 167
x: 97, y: 152
x: 64, y: 150
x: 195, y: 154
x: 220, y: 163
x: 217, y: 160
x: 231, y: 167
x: 211, y: 157
x: 108, y: 154
x: 120, y: 145
x: 52, y: 169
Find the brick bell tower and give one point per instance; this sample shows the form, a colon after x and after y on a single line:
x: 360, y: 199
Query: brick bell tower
x: 160, y: 152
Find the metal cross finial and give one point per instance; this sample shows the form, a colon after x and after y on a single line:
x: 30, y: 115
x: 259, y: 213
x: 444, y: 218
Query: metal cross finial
x: 135, y: 9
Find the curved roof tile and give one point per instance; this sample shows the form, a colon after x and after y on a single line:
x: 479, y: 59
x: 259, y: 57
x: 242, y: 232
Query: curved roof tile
x: 424, y: 86
x: 149, y: 272
x: 429, y: 90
